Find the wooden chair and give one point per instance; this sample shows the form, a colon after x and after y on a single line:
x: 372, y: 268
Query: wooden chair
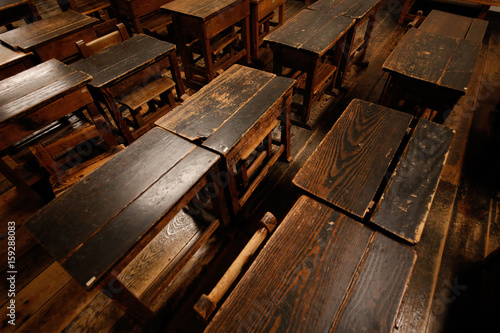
x: 68, y: 155
x: 155, y: 92
x: 99, y: 44
x: 87, y: 7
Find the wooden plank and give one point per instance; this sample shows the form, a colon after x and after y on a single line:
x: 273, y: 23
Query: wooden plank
x: 97, y: 254
x: 374, y: 298
x: 29, y: 300
x: 311, y: 31
x: 236, y: 127
x: 333, y: 7
x: 9, y: 57
x: 360, y: 8
x: 118, y: 61
x: 421, y: 55
x: 407, y: 199
x: 350, y: 163
x: 202, y: 115
x: 307, y: 263
x: 460, y: 67
x: 41, y: 85
x: 447, y: 24
x: 106, y: 192
x: 477, y: 30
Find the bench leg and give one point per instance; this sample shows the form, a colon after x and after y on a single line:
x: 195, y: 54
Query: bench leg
x: 344, y: 52
x: 368, y: 34
x: 18, y: 182
x: 285, y: 125
x: 176, y: 75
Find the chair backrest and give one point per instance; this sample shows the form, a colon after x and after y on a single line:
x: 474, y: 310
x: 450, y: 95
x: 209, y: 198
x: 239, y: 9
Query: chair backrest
x: 90, y: 48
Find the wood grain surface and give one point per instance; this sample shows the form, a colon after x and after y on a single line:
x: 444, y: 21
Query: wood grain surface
x: 123, y: 59
x: 454, y: 26
x: 37, y: 87
x: 408, y: 197
x: 319, y: 272
x: 36, y: 34
x: 356, y: 9
x: 440, y: 60
x: 350, y: 163
x: 311, y: 31
x: 204, y: 9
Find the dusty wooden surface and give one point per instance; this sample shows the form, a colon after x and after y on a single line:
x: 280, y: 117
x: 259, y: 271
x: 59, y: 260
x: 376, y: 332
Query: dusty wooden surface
x: 204, y: 9
x: 407, y: 199
x: 455, y: 26
x: 440, y: 60
x: 354, y: 9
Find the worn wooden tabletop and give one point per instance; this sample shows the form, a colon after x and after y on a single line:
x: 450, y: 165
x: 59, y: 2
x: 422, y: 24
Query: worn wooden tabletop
x: 454, y: 26
x: 93, y: 225
x: 37, y: 87
x: 6, y: 4
x: 222, y: 112
x: 123, y: 59
x: 201, y: 9
x: 354, y: 9
x: 319, y: 272
x: 311, y: 31
x: 436, y: 59
x: 351, y: 164
x: 36, y: 34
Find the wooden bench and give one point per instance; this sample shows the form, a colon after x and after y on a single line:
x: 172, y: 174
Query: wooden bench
x: 485, y: 6
x: 235, y: 116
x: 376, y: 165
x: 15, y: 10
x: 301, y: 44
x: 361, y: 11
x: 320, y: 271
x: 128, y: 76
x: 53, y: 37
x: 430, y: 71
x: 103, y: 222
x: 206, y: 29
x: 38, y: 96
x: 87, y: 7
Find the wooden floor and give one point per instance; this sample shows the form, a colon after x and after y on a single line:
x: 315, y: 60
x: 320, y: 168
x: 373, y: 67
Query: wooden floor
x: 449, y: 290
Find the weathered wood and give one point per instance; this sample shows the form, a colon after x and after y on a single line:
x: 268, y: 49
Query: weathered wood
x: 454, y: 26
x: 439, y: 60
x: 68, y: 26
x: 14, y: 10
x: 348, y: 167
x: 408, y: 197
x: 377, y: 291
x: 205, y: 9
x: 356, y: 9
x: 308, y: 264
x: 13, y: 62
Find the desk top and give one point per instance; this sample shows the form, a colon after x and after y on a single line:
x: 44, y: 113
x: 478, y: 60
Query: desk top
x: 311, y: 31
x: 202, y: 9
x: 95, y: 223
x: 454, y: 26
x: 223, y: 111
x: 440, y: 60
x: 37, y: 87
x: 36, y: 34
x: 8, y: 57
x: 319, y: 272
x: 120, y: 60
x: 356, y: 9
x: 6, y: 4
x: 351, y: 163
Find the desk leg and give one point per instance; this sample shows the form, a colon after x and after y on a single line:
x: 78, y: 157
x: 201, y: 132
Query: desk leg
x: 285, y: 125
x: 207, y: 55
x: 344, y: 54
x: 102, y: 126
x: 233, y: 191
x: 368, y: 34
x: 281, y: 17
x: 218, y: 199
x: 404, y: 12
x: 246, y: 38
x: 176, y: 74
x: 277, y: 61
x: 117, y: 116
x: 309, y: 91
x: 116, y: 290
x: 254, y: 31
